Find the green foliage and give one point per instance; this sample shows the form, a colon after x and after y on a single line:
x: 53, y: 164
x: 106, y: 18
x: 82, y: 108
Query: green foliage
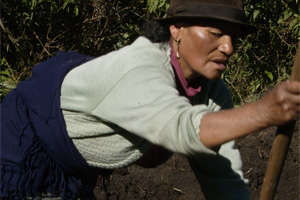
x: 32, y: 31
x: 264, y: 59
x: 158, y: 7
x: 9, y: 79
x: 35, y: 30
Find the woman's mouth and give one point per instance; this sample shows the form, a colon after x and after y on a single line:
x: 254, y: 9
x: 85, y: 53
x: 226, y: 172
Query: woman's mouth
x: 221, y: 65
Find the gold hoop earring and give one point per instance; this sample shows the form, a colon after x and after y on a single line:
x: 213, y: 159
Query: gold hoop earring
x: 177, y: 52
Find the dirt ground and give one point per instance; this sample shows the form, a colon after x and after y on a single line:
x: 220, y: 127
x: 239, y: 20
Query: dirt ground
x: 175, y: 179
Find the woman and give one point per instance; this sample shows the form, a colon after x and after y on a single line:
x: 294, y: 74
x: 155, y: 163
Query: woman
x: 138, y: 105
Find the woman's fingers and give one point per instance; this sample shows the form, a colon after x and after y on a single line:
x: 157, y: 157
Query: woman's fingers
x: 293, y: 87
x: 282, y: 104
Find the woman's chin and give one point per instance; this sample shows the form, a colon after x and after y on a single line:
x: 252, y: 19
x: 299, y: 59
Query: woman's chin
x: 215, y: 76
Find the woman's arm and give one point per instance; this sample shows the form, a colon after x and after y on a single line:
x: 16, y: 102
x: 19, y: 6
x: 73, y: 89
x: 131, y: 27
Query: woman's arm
x: 278, y: 106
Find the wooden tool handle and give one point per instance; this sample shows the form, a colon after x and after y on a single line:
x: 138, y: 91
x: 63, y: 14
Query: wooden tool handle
x: 280, y: 146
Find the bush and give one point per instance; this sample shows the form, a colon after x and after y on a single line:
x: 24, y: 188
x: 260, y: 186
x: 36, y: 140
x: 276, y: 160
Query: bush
x: 35, y: 30
x: 264, y: 59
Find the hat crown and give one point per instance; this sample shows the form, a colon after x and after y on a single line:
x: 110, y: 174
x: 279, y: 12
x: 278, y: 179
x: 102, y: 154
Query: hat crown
x: 225, y: 10
x: 228, y: 10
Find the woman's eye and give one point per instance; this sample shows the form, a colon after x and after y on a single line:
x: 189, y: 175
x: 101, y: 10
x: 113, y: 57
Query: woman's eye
x: 217, y: 34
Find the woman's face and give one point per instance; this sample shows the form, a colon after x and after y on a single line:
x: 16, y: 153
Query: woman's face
x: 204, y: 50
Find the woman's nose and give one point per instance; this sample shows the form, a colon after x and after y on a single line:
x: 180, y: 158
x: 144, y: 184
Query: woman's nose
x: 226, y: 46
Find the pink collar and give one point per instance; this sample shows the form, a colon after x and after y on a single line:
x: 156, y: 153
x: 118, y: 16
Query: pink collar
x: 189, y: 90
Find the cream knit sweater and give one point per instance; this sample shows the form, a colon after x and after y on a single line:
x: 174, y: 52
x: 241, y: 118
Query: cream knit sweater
x: 117, y: 105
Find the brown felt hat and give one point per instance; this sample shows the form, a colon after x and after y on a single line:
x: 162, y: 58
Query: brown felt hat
x: 226, y: 10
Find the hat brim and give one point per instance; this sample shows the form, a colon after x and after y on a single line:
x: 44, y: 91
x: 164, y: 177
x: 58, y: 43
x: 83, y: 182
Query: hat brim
x: 245, y: 28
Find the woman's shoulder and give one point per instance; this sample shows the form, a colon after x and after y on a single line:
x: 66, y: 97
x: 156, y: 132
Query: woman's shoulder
x: 142, y: 49
x: 141, y: 53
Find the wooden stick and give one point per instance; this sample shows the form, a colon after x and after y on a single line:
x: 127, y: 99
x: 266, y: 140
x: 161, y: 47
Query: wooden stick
x: 280, y: 146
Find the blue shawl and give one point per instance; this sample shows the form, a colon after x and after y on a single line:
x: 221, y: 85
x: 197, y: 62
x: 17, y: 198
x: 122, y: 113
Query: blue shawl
x: 37, y: 155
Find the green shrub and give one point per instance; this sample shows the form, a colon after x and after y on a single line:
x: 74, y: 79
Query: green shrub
x: 35, y: 30
x: 264, y: 59
x: 32, y: 31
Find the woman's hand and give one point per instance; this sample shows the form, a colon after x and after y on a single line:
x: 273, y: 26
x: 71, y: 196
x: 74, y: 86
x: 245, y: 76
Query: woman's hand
x: 281, y: 104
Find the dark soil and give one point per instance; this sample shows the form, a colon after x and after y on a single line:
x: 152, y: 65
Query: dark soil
x: 175, y: 179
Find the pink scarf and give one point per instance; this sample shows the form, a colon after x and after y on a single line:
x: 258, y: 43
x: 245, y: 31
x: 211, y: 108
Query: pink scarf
x: 185, y: 89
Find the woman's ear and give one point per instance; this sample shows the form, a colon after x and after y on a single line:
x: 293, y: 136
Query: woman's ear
x: 175, y: 32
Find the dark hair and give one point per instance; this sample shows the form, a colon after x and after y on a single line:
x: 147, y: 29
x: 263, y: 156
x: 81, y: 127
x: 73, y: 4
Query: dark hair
x: 155, y: 31
x: 159, y: 32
